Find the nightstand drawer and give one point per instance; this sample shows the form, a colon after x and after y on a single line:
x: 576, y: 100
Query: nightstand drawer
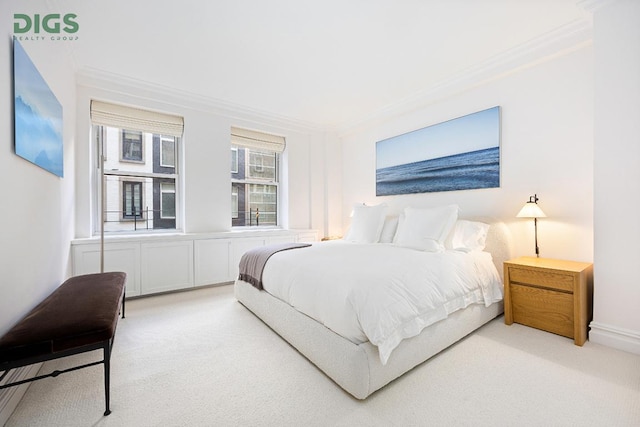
x: 543, y: 309
x: 541, y: 278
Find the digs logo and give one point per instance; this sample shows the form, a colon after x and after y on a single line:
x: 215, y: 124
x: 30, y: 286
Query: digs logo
x: 53, y: 24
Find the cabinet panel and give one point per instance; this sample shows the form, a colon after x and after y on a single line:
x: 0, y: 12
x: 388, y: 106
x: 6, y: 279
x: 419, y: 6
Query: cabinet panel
x: 155, y: 264
x: 281, y: 239
x: 117, y: 257
x: 238, y: 248
x: 307, y: 237
x: 166, y: 266
x: 211, y: 259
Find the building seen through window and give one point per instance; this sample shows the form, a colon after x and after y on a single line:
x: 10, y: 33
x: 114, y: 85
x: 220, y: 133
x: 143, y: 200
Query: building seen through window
x: 254, y: 187
x: 255, y: 177
x: 139, y: 179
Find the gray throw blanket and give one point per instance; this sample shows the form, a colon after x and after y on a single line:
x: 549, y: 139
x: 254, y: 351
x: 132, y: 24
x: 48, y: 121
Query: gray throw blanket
x: 252, y: 262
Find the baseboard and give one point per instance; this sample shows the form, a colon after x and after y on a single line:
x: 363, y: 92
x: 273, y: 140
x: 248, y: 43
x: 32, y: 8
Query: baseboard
x: 612, y: 336
x: 10, y: 397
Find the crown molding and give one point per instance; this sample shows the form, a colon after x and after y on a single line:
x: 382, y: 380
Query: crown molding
x: 559, y: 42
x: 592, y: 6
x: 131, y: 87
x: 562, y: 41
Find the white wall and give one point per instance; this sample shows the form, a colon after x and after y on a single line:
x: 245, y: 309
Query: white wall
x: 37, y: 207
x: 546, y: 148
x: 616, y: 318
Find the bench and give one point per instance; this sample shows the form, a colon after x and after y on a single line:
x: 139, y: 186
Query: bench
x: 80, y: 315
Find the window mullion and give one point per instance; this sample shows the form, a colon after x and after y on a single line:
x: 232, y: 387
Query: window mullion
x: 140, y: 174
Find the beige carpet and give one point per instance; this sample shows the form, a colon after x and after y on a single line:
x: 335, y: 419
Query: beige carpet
x: 199, y: 358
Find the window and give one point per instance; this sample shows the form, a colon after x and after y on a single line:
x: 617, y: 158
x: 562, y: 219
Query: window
x: 255, y: 158
x: 234, y: 202
x: 167, y: 200
x: 132, y: 148
x: 263, y: 202
x: 234, y: 160
x: 131, y: 200
x: 254, y: 196
x: 138, y: 153
x: 167, y: 152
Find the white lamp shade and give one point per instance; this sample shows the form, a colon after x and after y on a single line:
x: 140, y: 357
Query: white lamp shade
x: 531, y: 210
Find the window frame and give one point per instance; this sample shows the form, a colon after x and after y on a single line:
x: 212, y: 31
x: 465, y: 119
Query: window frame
x: 99, y: 136
x: 246, y: 216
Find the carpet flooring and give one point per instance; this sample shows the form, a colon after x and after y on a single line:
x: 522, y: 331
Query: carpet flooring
x: 199, y: 358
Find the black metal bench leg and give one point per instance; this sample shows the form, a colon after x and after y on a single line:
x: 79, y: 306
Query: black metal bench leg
x: 107, y: 375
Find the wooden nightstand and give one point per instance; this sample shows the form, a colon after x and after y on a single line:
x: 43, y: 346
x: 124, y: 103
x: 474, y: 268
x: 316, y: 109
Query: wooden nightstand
x: 549, y: 294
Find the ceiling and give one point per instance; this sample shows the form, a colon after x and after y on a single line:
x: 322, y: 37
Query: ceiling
x: 323, y: 62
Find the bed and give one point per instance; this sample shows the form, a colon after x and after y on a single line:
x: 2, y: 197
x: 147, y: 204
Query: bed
x: 363, y: 361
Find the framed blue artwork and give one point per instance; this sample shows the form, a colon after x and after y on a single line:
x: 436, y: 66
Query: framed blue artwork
x: 37, y: 115
x: 459, y: 154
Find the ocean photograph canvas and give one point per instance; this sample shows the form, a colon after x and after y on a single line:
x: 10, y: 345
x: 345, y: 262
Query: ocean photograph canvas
x: 459, y: 154
x: 38, y: 115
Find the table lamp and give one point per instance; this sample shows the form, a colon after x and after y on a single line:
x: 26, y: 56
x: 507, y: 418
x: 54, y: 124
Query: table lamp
x: 532, y: 210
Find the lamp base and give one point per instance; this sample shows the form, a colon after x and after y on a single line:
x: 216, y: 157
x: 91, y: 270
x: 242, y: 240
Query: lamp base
x: 535, y: 226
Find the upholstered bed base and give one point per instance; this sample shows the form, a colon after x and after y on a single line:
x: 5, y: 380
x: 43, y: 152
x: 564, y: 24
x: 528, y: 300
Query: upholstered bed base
x: 357, y: 367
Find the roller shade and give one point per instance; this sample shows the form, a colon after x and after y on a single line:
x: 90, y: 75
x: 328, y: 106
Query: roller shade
x: 123, y: 117
x: 257, y: 140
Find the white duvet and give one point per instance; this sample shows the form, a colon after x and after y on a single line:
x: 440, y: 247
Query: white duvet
x: 380, y: 292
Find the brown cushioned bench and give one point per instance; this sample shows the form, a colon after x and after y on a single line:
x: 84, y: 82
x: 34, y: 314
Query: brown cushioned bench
x: 80, y: 315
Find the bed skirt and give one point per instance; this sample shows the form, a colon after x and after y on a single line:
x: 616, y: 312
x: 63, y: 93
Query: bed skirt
x: 357, y: 367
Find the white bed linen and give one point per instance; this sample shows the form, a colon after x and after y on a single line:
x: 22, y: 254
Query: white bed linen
x: 378, y: 292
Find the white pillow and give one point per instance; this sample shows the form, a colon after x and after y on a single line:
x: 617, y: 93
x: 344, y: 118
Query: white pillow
x: 399, y: 227
x: 389, y: 229
x: 469, y: 236
x: 366, y: 223
x: 426, y: 229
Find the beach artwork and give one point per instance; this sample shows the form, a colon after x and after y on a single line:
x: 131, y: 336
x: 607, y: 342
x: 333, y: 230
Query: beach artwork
x: 37, y: 115
x: 459, y: 154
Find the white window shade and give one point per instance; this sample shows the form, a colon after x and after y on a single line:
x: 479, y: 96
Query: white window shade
x: 257, y: 140
x: 123, y: 117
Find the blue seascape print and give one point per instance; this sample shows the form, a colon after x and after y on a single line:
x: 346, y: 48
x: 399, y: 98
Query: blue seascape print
x: 476, y: 169
x: 459, y: 154
x: 38, y: 116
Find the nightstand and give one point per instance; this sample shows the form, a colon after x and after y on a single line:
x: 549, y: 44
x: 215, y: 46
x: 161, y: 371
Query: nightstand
x: 549, y: 294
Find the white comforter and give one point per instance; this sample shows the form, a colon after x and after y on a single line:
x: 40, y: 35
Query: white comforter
x: 377, y: 292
